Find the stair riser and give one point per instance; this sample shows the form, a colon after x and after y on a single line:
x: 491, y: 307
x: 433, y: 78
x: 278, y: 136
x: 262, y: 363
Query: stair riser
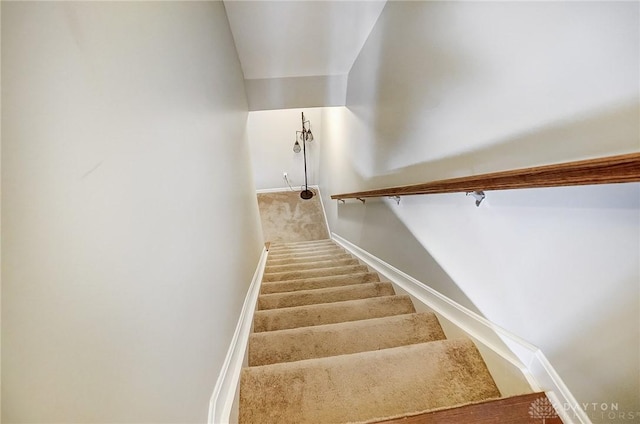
x: 321, y: 272
x: 319, y: 283
x: 311, y: 265
x: 312, y: 297
x: 343, y: 338
x: 303, y: 260
x: 330, y: 313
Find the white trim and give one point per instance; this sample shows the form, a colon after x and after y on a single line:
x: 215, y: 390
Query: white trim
x: 273, y: 190
x: 528, y: 358
x: 324, y: 212
x: 224, y: 391
x: 281, y: 189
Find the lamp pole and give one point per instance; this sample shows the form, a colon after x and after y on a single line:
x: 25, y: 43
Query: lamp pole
x: 306, y: 193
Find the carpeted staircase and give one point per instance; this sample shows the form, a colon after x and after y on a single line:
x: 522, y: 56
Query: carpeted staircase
x: 333, y: 344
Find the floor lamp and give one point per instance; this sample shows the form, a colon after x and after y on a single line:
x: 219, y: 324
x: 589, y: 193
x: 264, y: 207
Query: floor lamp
x: 304, y: 136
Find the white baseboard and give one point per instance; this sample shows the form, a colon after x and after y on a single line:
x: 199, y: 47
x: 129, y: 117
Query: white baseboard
x: 324, y: 211
x: 273, y: 190
x: 528, y: 358
x: 281, y: 189
x: 520, y: 353
x: 224, y: 392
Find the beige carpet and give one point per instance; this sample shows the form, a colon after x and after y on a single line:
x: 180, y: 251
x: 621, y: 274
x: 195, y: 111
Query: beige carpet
x: 333, y: 344
x: 288, y: 218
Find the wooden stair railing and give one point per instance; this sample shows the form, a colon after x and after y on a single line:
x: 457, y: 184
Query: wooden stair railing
x: 606, y: 170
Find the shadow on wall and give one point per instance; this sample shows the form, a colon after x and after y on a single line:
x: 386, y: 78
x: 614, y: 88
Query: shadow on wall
x: 396, y: 109
x: 383, y: 229
x: 443, y: 93
x: 614, y: 131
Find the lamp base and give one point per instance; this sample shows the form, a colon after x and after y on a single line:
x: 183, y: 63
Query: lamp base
x: 306, y: 194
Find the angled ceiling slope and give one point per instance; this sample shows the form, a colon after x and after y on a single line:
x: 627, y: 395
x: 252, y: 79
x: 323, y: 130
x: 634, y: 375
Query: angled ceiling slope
x: 299, y: 53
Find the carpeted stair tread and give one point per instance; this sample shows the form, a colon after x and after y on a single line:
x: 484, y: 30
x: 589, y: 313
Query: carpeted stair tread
x: 271, y: 260
x: 319, y: 282
x: 274, y: 260
x: 311, y: 265
x: 331, y: 343
x: 343, y: 338
x: 306, y: 256
x: 301, y: 244
x: 366, y: 386
x: 329, y: 313
x: 305, y: 260
x: 326, y: 295
x: 309, y: 273
x: 306, y: 251
x: 297, y: 243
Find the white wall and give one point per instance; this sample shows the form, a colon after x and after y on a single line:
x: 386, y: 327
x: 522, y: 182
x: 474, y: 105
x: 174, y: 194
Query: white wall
x: 127, y: 247
x: 296, y: 92
x: 272, y: 134
x: 443, y: 89
x: 438, y: 81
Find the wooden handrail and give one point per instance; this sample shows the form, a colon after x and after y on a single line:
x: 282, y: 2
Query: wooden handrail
x: 607, y: 170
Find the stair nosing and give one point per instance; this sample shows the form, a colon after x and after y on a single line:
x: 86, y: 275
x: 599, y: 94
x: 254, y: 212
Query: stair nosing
x: 327, y: 277
x: 379, y: 298
x: 315, y: 269
x: 327, y: 289
x: 340, y: 270
x: 327, y: 248
x: 308, y: 260
x: 302, y: 245
x: 352, y: 261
